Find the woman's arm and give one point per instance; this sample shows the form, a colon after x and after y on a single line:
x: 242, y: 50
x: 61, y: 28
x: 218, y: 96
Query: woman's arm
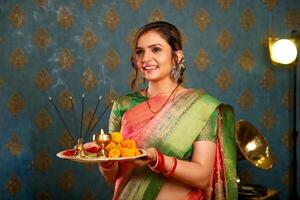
x: 198, y: 171
x: 109, y: 170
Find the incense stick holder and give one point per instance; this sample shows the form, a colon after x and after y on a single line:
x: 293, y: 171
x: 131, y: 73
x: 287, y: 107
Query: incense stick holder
x: 79, y: 149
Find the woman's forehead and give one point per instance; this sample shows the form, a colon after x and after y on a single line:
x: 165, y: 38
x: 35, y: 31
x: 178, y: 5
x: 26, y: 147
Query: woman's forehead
x: 150, y: 38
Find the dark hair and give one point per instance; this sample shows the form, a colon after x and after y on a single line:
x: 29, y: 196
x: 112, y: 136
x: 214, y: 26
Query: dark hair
x: 168, y: 32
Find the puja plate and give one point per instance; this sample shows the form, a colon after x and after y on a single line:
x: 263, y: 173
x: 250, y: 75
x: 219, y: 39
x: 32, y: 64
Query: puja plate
x: 92, y: 157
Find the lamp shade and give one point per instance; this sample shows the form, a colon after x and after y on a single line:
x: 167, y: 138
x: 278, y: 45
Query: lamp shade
x: 282, y: 51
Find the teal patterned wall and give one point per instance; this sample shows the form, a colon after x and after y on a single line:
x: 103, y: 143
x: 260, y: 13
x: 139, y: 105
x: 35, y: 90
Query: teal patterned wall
x: 67, y: 48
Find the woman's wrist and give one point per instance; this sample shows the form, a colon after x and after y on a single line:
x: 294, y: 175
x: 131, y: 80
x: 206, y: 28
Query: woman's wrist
x: 107, y: 165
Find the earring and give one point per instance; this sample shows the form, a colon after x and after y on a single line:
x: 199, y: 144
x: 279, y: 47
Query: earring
x: 177, y: 70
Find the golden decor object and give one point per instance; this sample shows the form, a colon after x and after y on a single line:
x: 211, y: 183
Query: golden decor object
x: 87, y: 117
x: 66, y: 59
x: 135, y: 4
x: 89, y: 80
x: 64, y: 100
x: 1, y: 39
x: 18, y: 59
x: 252, y: 145
x: 42, y: 196
x: 202, y: 60
x: 43, y: 80
x: 42, y: 38
x: 224, y: 79
x: 287, y: 99
x: 111, y: 19
x: 88, y: 4
x: 16, y: 104
x: 102, y: 140
x: 88, y: 40
x: 247, y: 20
x: 111, y: 59
x: 202, y: 19
x: 156, y: 15
x: 268, y: 80
x: 13, y: 185
x: 268, y: 119
x: 287, y: 139
x: 130, y: 37
x: 245, y: 100
x: 14, y: 145
x: 270, y: 3
x: 66, y: 181
x: 225, y: 4
x: 179, y: 4
x: 79, y: 149
x: 42, y: 162
x: 65, y: 18
x: 41, y: 3
x: 42, y: 120
x: 292, y: 20
x: 287, y: 178
x: 16, y: 16
x: 224, y: 39
x: 247, y: 60
x: 89, y: 195
x: 66, y: 141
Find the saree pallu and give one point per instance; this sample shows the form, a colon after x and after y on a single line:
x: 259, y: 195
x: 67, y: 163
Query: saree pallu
x: 173, y: 131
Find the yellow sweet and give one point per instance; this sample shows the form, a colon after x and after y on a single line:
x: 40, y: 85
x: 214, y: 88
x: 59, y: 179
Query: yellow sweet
x: 110, y: 146
x: 126, y: 152
x: 114, y: 153
x: 118, y: 147
x: 116, y: 137
x: 128, y: 143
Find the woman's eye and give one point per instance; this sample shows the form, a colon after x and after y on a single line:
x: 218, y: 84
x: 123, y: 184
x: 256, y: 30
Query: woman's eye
x: 155, y: 49
x: 139, y: 52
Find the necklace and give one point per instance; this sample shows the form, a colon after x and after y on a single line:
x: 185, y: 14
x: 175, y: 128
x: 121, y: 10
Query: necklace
x: 148, y: 104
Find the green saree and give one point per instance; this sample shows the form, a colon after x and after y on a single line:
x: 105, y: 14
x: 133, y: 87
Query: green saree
x: 173, y: 131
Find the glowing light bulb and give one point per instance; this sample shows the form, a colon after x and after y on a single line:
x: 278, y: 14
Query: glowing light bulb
x: 283, y: 51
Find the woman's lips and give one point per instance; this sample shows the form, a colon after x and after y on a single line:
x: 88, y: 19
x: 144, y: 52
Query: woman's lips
x: 150, y: 67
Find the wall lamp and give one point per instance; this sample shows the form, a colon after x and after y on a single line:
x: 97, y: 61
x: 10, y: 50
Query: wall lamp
x: 285, y: 52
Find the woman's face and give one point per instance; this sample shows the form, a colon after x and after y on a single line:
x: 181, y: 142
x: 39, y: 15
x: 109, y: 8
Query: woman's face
x: 153, y: 57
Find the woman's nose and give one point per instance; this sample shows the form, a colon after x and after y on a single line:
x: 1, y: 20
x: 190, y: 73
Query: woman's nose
x: 146, y: 57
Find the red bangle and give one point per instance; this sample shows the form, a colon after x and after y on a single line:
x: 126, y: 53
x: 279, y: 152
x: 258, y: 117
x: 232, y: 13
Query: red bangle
x: 160, y: 163
x: 172, y: 170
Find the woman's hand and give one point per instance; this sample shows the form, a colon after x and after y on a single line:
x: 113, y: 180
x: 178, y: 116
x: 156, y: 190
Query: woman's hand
x: 150, y: 158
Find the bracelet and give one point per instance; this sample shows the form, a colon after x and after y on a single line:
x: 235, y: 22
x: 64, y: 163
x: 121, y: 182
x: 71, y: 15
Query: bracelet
x: 108, y: 166
x: 171, y: 172
x: 160, y: 163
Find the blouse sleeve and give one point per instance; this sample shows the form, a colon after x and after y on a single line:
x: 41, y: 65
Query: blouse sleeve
x: 115, y: 118
x: 209, y: 132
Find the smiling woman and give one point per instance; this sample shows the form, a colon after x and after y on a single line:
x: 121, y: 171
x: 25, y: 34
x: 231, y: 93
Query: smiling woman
x: 190, y: 150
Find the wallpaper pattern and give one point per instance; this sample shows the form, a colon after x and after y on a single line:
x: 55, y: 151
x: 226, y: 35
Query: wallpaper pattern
x: 73, y: 47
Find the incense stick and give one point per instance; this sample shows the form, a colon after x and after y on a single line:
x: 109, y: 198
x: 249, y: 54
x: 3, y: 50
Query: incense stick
x: 102, y: 114
x: 82, y: 110
x: 95, y: 110
x: 74, y: 116
x: 60, y: 116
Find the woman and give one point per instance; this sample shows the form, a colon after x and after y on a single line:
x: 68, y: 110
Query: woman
x: 188, y: 134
